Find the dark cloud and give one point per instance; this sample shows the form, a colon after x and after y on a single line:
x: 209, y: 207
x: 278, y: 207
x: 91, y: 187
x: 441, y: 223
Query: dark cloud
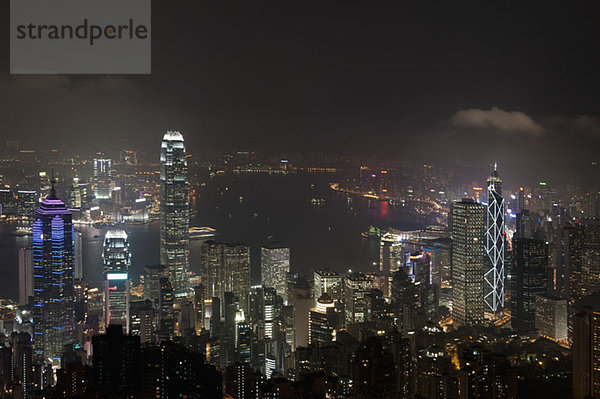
x: 379, y: 78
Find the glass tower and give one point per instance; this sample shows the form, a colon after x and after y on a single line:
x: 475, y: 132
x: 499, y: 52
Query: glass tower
x: 117, y: 259
x: 468, y: 253
x: 494, y: 245
x: 102, y: 178
x: 275, y: 265
x: 174, y: 211
x: 52, y: 279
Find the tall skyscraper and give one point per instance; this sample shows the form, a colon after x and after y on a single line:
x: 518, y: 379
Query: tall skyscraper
x: 586, y: 348
x: 52, y: 278
x: 102, y: 178
x: 226, y: 268
x: 531, y: 276
x: 584, y: 273
x: 25, y: 275
x: 494, y: 245
x: 275, y: 265
x: 468, y: 252
x: 174, y: 211
x: 356, y: 287
x: 117, y: 259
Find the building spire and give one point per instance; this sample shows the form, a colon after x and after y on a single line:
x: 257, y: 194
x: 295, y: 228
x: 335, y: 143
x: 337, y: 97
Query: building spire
x: 52, y: 194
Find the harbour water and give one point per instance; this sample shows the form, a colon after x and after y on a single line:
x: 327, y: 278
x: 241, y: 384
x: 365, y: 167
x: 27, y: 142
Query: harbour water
x: 322, y: 227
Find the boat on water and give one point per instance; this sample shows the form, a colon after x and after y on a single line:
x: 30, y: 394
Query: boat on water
x: 374, y: 233
x: 202, y: 233
x: 22, y: 232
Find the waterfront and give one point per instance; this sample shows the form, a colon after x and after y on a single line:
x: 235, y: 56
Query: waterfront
x: 251, y: 209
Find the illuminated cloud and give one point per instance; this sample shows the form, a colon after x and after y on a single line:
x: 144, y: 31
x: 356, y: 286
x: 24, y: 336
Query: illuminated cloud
x: 507, y: 121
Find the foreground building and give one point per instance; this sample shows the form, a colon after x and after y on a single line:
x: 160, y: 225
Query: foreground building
x: 117, y: 259
x: 586, y: 348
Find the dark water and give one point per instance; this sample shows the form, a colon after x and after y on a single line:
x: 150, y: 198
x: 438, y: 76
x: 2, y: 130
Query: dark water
x: 271, y: 208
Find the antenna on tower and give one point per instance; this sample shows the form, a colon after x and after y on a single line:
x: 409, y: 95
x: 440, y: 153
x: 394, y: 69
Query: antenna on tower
x: 52, y: 183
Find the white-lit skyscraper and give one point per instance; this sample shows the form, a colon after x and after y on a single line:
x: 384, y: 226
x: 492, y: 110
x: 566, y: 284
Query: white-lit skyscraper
x: 275, y: 265
x: 117, y: 259
x: 102, y: 178
x: 494, y: 245
x: 174, y: 211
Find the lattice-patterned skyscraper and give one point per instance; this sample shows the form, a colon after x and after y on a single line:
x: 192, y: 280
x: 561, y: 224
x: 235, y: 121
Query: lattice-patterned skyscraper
x: 494, y: 244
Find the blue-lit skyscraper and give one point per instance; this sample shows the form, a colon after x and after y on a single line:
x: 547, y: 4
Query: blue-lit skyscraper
x: 117, y: 259
x: 494, y: 245
x: 174, y: 211
x: 52, y: 278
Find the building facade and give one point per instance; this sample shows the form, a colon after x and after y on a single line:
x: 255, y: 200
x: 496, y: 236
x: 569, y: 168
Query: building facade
x: 275, y: 265
x: 174, y: 211
x: 116, y: 258
x: 468, y: 252
x: 494, y: 245
x: 52, y: 279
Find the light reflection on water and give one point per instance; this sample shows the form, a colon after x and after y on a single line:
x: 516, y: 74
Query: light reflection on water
x: 271, y: 207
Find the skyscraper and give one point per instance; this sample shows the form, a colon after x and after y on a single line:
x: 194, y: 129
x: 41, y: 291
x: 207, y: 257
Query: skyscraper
x: 275, y: 265
x: 531, y: 276
x: 494, y: 244
x: 78, y: 255
x: 328, y: 281
x: 102, y: 178
x: 166, y: 315
x: 270, y: 310
x: 226, y: 268
x: 152, y: 275
x: 468, y: 252
x: 584, y: 273
x: 323, y: 320
x: 174, y: 211
x: 586, y: 348
x: 356, y: 287
x: 25, y: 275
x: 117, y: 259
x: 52, y: 278
x: 551, y: 317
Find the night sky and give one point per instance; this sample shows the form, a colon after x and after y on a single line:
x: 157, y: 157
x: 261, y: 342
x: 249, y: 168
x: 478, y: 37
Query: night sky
x: 445, y: 82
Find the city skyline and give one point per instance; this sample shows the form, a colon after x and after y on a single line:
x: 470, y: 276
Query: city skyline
x: 302, y: 200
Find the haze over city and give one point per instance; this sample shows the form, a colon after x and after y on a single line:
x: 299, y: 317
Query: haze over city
x: 300, y: 200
